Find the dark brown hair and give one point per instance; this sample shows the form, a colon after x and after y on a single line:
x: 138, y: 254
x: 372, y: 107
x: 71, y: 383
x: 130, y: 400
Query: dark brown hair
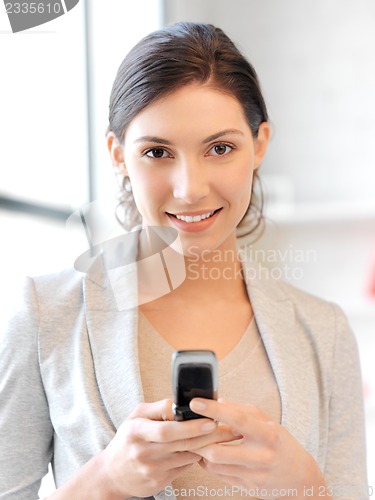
x: 171, y: 58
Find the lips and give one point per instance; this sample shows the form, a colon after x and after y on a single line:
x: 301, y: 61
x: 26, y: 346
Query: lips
x: 194, y: 217
x: 192, y: 222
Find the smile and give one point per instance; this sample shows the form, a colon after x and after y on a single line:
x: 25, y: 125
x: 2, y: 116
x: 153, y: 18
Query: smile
x: 194, y: 218
x: 194, y: 222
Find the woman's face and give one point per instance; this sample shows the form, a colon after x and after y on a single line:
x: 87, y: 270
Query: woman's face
x: 190, y: 157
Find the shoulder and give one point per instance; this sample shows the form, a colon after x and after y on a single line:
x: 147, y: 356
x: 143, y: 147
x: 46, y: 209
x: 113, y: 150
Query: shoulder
x: 315, y: 310
x: 321, y: 322
x: 307, y: 304
x: 62, y: 288
x: 326, y: 327
x: 35, y: 299
x: 36, y: 302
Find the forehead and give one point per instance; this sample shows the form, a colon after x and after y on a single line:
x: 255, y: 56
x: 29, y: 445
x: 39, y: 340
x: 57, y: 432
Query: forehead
x: 193, y: 109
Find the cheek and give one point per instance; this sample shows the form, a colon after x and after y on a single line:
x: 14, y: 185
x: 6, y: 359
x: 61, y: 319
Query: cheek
x: 147, y: 189
x: 238, y: 185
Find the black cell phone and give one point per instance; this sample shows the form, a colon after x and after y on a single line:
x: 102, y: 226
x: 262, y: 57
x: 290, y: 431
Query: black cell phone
x: 194, y: 375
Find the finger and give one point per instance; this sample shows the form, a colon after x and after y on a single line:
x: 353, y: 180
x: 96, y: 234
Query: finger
x: 248, y: 420
x: 180, y: 459
x: 221, y: 454
x: 239, y: 454
x: 168, y: 432
x: 226, y: 470
x: 221, y: 434
x: 159, y: 410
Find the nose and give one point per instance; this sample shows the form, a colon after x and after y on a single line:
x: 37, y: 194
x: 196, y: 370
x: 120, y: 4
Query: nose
x: 190, y: 182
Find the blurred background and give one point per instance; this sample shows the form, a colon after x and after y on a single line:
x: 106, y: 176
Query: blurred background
x: 316, y: 63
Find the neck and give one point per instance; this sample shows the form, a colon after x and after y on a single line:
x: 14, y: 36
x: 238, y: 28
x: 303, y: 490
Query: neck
x: 214, y: 275
x: 211, y: 277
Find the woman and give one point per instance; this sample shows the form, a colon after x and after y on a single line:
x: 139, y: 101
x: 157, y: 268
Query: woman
x: 90, y: 388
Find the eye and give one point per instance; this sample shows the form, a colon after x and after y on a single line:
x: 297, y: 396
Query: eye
x: 157, y: 153
x: 221, y: 149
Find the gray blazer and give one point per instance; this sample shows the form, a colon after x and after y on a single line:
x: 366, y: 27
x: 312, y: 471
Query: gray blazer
x: 69, y: 376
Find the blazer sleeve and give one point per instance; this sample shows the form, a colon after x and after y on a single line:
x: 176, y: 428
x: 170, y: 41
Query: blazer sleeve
x: 26, y: 434
x: 345, y: 470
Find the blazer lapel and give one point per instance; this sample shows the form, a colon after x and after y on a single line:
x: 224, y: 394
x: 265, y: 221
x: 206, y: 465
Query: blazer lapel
x: 114, y: 345
x: 278, y: 327
x: 111, y: 296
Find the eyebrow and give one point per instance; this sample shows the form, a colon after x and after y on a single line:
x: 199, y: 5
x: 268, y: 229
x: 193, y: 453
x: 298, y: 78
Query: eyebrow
x: 221, y: 134
x: 151, y: 138
x: 160, y: 140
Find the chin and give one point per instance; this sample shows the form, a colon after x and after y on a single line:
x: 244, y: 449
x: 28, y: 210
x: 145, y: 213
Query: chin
x: 198, y: 249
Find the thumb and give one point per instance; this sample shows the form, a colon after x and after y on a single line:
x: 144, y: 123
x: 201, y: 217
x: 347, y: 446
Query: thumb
x: 159, y: 410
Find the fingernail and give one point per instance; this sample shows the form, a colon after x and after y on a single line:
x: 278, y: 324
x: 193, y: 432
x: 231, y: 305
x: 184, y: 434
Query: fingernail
x: 198, y: 405
x: 237, y: 435
x: 208, y: 426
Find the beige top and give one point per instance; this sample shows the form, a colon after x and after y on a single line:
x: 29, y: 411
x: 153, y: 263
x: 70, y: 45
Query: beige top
x: 245, y: 376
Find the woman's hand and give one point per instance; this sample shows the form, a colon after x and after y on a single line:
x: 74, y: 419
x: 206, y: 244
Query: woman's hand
x: 150, y: 449
x: 268, y: 457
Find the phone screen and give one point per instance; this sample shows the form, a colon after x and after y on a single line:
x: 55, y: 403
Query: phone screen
x: 194, y: 381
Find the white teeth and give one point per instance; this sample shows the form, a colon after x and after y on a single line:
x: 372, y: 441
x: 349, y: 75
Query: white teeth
x: 195, y: 218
